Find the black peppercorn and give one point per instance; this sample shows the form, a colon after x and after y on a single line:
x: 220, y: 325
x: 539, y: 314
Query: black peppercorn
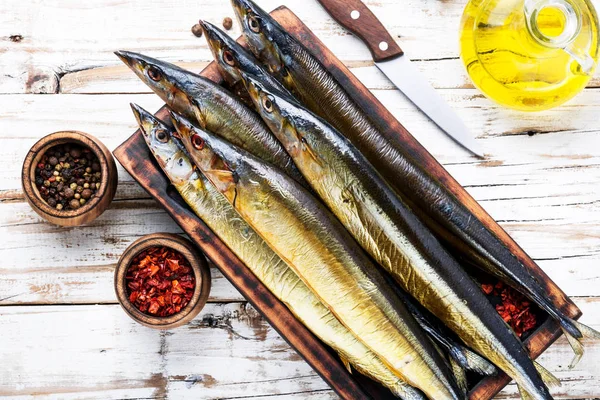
x: 66, y: 176
x: 75, y: 153
x: 227, y: 23
x: 197, y: 30
x: 74, y: 204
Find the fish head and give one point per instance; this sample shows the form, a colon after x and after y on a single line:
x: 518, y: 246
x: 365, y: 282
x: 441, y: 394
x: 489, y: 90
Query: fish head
x: 198, y: 142
x: 225, y: 50
x: 174, y: 85
x: 161, y: 141
x: 277, y: 109
x: 263, y: 34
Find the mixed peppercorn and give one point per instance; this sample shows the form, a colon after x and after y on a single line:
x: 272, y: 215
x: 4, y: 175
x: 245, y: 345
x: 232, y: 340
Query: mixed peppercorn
x: 160, y: 281
x: 512, y: 306
x: 68, y: 176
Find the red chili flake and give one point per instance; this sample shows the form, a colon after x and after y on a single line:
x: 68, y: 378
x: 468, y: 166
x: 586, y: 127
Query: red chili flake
x: 487, y: 289
x: 160, y: 281
x: 514, y: 308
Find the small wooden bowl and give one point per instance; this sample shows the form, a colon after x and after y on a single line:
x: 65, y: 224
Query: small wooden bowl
x: 93, y: 208
x: 198, y: 264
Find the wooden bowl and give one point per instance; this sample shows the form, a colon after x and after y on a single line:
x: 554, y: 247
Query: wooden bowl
x: 198, y: 264
x: 93, y: 208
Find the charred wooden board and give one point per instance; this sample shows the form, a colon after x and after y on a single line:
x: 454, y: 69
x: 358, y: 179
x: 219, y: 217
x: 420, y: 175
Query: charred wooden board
x: 135, y: 158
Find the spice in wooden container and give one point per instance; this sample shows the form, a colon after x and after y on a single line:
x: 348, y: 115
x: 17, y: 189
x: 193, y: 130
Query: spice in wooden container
x: 513, y: 307
x: 160, y: 281
x: 68, y: 176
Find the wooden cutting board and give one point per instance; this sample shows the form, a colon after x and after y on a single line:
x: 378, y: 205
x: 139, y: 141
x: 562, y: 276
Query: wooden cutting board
x: 134, y: 155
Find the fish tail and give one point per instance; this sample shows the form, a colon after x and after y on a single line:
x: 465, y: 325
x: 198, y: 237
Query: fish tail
x: 472, y: 361
x: 550, y: 380
x: 576, y: 332
x: 524, y: 393
x: 406, y: 392
x: 459, y: 375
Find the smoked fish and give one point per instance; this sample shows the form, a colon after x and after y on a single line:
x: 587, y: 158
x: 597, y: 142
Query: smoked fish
x: 314, y: 244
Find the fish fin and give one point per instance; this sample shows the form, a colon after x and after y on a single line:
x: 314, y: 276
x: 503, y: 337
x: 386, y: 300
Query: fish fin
x: 198, y: 114
x: 550, y: 380
x: 524, y: 394
x: 222, y: 174
x: 346, y: 363
x: 309, y: 150
x: 576, y: 332
x: 459, y: 375
x: 473, y: 362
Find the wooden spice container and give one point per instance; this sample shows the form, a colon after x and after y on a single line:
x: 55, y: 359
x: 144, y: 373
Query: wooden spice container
x: 93, y: 208
x: 199, y: 267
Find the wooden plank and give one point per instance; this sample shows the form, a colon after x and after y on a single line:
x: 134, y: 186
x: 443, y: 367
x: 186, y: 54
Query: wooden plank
x: 228, y: 351
x: 427, y: 31
x: 98, y: 351
x: 43, y: 264
x: 550, y: 163
x: 166, y: 28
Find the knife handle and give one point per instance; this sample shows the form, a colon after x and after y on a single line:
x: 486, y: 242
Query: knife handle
x: 355, y: 16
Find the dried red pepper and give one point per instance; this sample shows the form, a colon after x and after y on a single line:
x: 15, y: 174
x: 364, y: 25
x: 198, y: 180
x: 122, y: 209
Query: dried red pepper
x: 160, y: 281
x: 514, y: 308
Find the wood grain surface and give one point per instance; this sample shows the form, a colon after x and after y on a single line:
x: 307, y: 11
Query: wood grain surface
x: 58, y: 309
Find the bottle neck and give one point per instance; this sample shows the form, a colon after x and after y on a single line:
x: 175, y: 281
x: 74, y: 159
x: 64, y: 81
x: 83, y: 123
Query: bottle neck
x: 553, y: 23
x: 556, y: 24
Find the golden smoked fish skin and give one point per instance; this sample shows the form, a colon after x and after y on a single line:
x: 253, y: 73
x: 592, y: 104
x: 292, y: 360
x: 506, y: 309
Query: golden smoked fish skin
x: 384, y: 226
x: 219, y: 215
x: 313, y: 243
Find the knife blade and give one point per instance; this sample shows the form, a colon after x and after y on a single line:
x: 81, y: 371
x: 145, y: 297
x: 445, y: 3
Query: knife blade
x: 355, y: 16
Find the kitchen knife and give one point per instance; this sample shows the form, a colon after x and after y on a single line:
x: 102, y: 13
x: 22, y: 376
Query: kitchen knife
x: 355, y: 16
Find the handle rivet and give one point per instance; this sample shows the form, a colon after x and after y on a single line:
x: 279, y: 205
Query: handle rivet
x: 383, y: 46
x: 355, y: 14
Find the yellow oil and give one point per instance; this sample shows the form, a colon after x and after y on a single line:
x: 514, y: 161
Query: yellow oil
x: 512, y: 67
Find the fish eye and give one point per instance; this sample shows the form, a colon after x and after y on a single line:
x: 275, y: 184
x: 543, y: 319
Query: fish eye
x: 154, y: 73
x: 254, y: 24
x: 162, y: 136
x: 228, y: 58
x: 197, y: 142
x: 267, y: 104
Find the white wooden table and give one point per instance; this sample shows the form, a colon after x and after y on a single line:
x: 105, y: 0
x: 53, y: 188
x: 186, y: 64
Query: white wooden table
x: 62, y: 335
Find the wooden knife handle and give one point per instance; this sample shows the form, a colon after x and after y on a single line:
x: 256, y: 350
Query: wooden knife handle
x: 355, y: 16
